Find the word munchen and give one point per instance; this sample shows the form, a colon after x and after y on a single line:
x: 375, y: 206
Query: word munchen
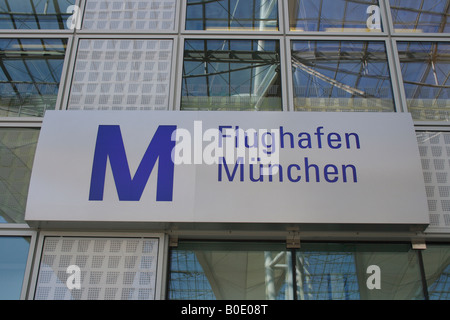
x: 232, y: 147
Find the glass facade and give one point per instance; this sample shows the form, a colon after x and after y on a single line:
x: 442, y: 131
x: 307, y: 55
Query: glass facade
x: 341, y: 76
x: 35, y: 14
x: 231, y: 75
x: 226, y: 271
x: 425, y: 69
x: 17, y: 147
x: 30, y: 75
x: 317, y: 271
x: 334, y: 16
x: 437, y: 271
x: 13, y: 260
x: 349, y: 272
x: 424, y: 16
x: 228, y: 55
x: 259, y: 15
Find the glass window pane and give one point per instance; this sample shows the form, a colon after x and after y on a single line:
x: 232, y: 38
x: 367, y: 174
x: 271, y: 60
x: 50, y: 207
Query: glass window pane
x: 34, y: 14
x: 358, y: 272
x: 426, y: 70
x: 13, y: 261
x: 229, y: 271
x: 231, y: 75
x: 257, y: 15
x: 341, y: 76
x: 421, y: 16
x: 436, y: 260
x: 30, y: 74
x: 17, y: 148
x: 335, y: 16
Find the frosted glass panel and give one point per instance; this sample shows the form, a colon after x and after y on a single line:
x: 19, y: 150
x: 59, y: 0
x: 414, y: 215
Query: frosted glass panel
x: 122, y: 75
x: 104, y: 269
x: 126, y: 15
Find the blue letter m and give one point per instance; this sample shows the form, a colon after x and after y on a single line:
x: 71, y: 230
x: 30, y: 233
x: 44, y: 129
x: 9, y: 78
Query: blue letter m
x: 110, y: 145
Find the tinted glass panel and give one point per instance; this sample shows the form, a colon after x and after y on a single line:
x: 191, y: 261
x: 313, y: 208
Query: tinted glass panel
x: 354, y: 272
x: 13, y: 261
x: 436, y: 260
x: 421, y: 15
x: 34, y: 14
x: 229, y: 271
x: 30, y: 73
x: 231, y: 75
x: 317, y: 271
x: 341, y: 76
x: 232, y: 15
x: 335, y: 15
x: 426, y: 69
x: 17, y: 148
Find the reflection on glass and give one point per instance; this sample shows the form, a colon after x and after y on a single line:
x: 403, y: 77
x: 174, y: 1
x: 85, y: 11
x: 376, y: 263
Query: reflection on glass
x: 230, y: 271
x: 341, y: 76
x: 436, y: 259
x: 318, y: 271
x: 231, y: 75
x: 335, y: 15
x: 222, y: 15
x: 358, y: 272
x: 421, y: 15
x: 30, y: 73
x: 426, y: 70
x: 13, y: 261
x: 34, y: 14
x: 17, y: 148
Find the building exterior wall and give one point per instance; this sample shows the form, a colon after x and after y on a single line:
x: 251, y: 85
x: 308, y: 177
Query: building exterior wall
x: 386, y: 56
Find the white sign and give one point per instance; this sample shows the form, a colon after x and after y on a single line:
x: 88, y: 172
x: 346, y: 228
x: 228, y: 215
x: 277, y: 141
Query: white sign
x: 231, y: 167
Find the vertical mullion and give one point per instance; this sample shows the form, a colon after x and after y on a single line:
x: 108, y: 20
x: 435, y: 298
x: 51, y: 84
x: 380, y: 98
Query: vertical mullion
x: 423, y: 276
x: 294, y: 274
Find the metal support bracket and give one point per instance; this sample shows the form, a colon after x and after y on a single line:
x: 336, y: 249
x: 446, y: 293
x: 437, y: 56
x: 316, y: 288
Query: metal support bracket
x: 173, y: 241
x: 293, y: 240
x: 419, y: 244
